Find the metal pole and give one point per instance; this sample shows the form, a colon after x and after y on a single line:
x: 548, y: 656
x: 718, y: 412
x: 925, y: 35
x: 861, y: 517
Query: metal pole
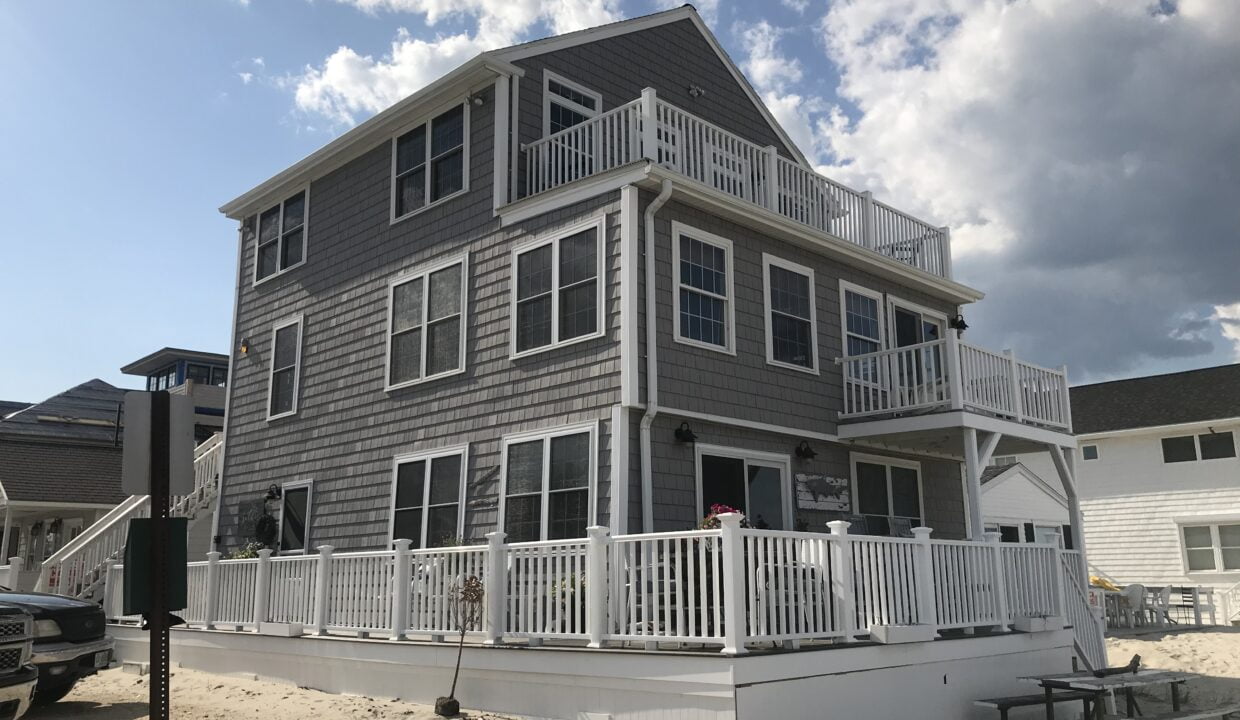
x: 158, y: 619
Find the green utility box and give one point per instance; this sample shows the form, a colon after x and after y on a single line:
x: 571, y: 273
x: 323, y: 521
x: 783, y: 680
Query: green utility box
x: 139, y: 580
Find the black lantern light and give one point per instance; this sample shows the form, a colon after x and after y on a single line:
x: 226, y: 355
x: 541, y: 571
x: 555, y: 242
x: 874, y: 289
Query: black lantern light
x: 684, y: 434
x: 958, y: 324
x: 274, y: 493
x: 805, y: 452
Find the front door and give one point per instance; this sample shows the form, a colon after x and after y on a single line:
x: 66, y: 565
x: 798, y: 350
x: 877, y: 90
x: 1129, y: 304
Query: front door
x: 756, y: 487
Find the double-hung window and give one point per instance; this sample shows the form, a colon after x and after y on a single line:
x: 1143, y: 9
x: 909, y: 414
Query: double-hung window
x: 558, y: 292
x: 294, y: 516
x: 703, y: 298
x: 282, y: 237
x: 791, y: 324
x: 565, y: 103
x: 426, y: 323
x: 429, y: 162
x: 428, y: 497
x: 1207, y: 446
x: 1211, y: 547
x: 285, y: 368
x: 861, y: 314
x: 548, y: 484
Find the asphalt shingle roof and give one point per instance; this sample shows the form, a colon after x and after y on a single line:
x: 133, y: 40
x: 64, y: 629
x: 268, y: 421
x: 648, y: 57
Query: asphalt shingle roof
x: 85, y: 413
x: 11, y: 406
x: 1183, y: 397
x: 31, y: 470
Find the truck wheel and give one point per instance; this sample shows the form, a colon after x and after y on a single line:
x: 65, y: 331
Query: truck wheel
x: 51, y: 695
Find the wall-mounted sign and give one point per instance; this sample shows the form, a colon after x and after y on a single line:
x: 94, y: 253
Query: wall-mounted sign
x: 821, y: 492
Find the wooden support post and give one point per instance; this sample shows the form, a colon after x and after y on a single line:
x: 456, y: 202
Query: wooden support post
x: 496, y: 586
x: 596, y: 585
x: 322, y: 582
x: 650, y: 127
x: 999, y: 586
x: 923, y: 574
x: 973, y: 483
x: 262, y: 588
x: 213, y: 589
x: 402, y: 582
x: 733, y: 546
x: 842, y: 578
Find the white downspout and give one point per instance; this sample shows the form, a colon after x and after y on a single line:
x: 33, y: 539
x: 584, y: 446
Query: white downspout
x: 652, y: 361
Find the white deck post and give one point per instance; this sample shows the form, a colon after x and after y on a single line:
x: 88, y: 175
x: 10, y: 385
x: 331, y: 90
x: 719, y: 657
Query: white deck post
x: 955, y: 380
x: 213, y: 589
x: 867, y: 220
x: 322, y: 581
x: 1058, y: 589
x: 973, y: 482
x: 923, y: 568
x: 596, y: 584
x: 1018, y: 404
x: 733, y: 547
x: 402, y: 581
x: 262, y: 588
x: 1066, y: 399
x: 1000, y: 583
x: 496, y: 584
x: 650, y: 128
x: 947, y: 251
x: 1197, y: 606
x: 842, y: 578
x: 771, y: 197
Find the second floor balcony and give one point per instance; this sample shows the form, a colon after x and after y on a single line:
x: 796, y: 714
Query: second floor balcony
x: 652, y: 129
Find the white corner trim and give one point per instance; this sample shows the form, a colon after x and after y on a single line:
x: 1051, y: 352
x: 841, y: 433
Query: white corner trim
x: 503, y: 139
x: 619, y: 471
x: 630, y: 269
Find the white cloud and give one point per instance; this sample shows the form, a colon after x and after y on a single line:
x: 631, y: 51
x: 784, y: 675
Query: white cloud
x: 246, y: 78
x: 349, y: 85
x: 775, y: 76
x: 259, y: 62
x: 1082, y: 151
x: 798, y: 6
x: 1228, y: 318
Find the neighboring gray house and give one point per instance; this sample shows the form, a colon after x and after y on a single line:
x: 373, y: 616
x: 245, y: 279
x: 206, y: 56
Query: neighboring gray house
x: 441, y: 320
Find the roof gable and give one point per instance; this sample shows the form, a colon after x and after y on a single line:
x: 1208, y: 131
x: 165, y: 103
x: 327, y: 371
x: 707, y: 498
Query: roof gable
x: 32, y: 471
x: 997, y: 475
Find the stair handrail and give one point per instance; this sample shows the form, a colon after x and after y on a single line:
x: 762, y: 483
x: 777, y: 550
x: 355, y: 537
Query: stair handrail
x: 1231, y: 603
x: 123, y: 511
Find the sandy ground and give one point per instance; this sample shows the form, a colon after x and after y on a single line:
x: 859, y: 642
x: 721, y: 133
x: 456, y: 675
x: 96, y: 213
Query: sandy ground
x: 1214, y: 654
x: 115, y: 695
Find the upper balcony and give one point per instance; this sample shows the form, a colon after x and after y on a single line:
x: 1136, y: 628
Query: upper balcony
x: 653, y: 129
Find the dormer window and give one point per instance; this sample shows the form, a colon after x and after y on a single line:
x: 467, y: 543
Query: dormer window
x: 281, y: 237
x: 565, y: 103
x: 429, y: 162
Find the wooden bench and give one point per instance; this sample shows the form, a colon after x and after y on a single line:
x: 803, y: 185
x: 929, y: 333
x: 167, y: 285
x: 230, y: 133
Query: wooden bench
x: 1004, y: 704
x: 1222, y: 712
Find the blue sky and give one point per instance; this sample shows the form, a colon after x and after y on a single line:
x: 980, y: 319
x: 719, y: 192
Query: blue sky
x: 132, y: 121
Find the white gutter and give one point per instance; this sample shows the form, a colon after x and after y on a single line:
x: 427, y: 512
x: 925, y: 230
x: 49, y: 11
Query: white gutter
x: 652, y: 362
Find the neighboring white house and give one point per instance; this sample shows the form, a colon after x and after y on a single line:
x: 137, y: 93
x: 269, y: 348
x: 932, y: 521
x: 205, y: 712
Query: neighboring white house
x: 1022, y: 507
x: 1158, y: 477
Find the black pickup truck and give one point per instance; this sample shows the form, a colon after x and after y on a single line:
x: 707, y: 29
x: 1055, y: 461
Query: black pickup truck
x: 17, y: 675
x: 70, y: 641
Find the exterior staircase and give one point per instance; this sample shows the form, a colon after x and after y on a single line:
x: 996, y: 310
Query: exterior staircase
x: 80, y: 567
x: 1231, y: 605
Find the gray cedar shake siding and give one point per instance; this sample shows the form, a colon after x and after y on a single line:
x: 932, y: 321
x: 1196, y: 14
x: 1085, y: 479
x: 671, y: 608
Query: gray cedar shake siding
x: 348, y: 427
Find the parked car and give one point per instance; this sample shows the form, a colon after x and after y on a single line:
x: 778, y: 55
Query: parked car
x: 18, y: 676
x: 70, y: 641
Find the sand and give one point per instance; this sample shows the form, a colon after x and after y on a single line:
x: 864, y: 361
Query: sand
x: 116, y: 695
x: 1214, y: 654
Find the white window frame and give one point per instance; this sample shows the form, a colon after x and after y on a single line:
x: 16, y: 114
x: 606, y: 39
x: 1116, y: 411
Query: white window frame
x: 729, y: 300
x: 299, y: 321
x: 894, y: 302
x: 428, y: 456
x: 553, y: 238
x: 549, y: 97
x: 847, y: 287
x: 426, y: 119
x: 546, y: 435
x: 769, y: 261
x: 305, y: 236
x: 889, y: 462
x: 425, y: 273
x: 1097, y: 451
x: 765, y: 459
x: 308, y: 484
x: 1215, y: 542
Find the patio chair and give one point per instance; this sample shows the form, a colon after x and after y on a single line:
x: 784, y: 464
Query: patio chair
x: 1132, y: 604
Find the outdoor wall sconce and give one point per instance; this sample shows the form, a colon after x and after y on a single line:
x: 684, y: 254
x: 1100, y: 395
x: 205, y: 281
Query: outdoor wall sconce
x: 805, y: 452
x: 958, y: 324
x: 696, y: 91
x: 274, y: 493
x: 244, y: 347
x: 684, y: 434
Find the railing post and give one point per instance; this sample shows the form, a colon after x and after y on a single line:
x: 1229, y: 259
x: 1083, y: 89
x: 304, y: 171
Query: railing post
x: 650, y: 131
x: 496, y: 587
x: 213, y: 589
x: 402, y: 581
x: 322, y: 581
x: 842, y: 578
x: 1000, y: 583
x: 771, y: 197
x: 923, y: 567
x: 262, y: 588
x: 946, y: 248
x: 596, y: 584
x: 1197, y: 606
x: 733, y: 547
x: 1018, y: 402
x: 868, y: 220
x: 1066, y: 398
x: 16, y: 565
x: 955, y: 380
x: 1058, y: 589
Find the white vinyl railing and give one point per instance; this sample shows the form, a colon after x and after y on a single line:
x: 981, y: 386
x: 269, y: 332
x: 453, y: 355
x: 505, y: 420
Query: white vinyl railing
x: 724, y: 162
x: 947, y: 373
x: 1231, y: 604
x: 1087, y: 628
x: 730, y: 586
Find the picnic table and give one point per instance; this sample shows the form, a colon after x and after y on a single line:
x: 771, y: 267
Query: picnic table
x: 1127, y: 682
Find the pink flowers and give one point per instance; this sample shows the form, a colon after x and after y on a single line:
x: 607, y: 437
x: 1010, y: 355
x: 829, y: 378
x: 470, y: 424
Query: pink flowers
x: 711, y: 521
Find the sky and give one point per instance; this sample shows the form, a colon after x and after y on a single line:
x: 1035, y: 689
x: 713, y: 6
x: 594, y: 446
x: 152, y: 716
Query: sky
x: 1086, y: 153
